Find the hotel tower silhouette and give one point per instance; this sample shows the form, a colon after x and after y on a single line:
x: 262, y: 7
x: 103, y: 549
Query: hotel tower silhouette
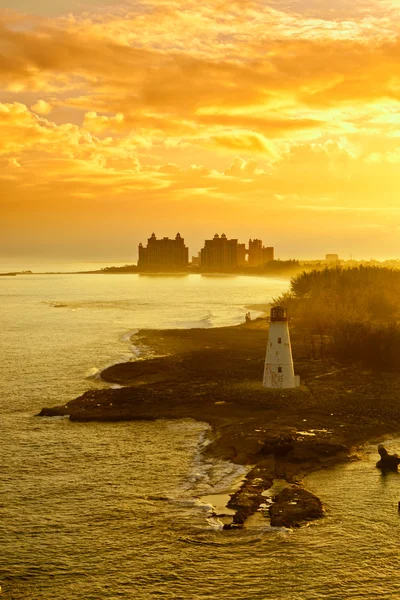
x: 163, y: 254
x: 278, y: 369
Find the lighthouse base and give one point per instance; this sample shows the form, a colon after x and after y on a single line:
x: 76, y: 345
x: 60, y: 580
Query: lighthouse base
x: 281, y: 378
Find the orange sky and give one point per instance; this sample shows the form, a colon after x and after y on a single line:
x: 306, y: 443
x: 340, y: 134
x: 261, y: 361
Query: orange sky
x: 270, y: 119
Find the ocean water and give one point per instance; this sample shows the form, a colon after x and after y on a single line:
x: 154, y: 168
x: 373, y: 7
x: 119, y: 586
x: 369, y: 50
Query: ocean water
x: 114, y: 510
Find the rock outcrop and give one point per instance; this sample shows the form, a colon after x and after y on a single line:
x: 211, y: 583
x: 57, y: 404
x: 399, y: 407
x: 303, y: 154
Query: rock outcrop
x: 294, y: 506
x: 388, y: 462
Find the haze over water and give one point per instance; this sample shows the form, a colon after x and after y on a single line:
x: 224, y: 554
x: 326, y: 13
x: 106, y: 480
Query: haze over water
x: 111, y: 510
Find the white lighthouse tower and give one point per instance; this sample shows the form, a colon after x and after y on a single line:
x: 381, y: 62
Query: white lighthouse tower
x: 278, y: 369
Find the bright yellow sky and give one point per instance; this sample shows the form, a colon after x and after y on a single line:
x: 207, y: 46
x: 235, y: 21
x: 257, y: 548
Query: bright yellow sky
x: 269, y: 119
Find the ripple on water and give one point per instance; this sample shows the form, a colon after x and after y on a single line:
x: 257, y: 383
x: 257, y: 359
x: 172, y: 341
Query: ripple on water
x: 105, y: 511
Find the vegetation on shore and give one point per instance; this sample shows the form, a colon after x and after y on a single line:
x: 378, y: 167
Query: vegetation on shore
x: 356, y: 311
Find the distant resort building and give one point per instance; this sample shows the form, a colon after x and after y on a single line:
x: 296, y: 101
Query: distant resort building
x: 267, y: 254
x: 163, y: 254
x: 331, y: 258
x: 220, y: 254
x: 258, y: 255
x: 255, y: 258
x: 241, y: 255
x: 223, y: 256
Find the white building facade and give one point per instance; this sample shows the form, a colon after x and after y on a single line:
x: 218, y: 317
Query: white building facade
x: 278, y: 369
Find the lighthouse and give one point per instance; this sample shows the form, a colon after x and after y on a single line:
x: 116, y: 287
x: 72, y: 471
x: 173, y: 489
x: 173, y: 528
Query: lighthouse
x: 278, y: 369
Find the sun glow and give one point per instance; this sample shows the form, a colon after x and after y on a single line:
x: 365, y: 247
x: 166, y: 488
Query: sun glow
x: 277, y: 120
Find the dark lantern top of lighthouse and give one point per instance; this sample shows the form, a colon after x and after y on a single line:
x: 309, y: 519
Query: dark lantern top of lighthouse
x: 278, y: 314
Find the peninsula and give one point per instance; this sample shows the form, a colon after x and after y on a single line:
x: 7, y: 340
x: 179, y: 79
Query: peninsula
x: 346, y: 348
x: 214, y: 375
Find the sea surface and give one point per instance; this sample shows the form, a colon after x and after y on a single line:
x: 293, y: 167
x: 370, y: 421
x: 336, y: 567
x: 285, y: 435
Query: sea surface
x: 117, y: 510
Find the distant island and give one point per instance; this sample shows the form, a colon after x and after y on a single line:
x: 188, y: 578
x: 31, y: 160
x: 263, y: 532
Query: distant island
x: 278, y: 268
x: 14, y: 273
x: 274, y: 268
x: 346, y: 346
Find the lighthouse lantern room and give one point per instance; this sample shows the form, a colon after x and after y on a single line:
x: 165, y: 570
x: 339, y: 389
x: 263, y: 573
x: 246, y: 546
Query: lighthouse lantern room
x: 278, y: 369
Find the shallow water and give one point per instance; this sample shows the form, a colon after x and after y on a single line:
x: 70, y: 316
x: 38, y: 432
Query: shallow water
x: 57, y: 329
x: 102, y: 510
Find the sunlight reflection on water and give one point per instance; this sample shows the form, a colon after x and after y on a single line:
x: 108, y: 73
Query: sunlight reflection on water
x: 101, y: 510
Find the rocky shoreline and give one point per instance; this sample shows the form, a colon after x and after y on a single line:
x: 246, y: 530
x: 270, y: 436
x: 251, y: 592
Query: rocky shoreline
x: 214, y: 375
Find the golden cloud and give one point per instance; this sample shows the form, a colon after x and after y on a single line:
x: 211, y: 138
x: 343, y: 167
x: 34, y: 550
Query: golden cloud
x: 120, y: 108
x: 248, y: 142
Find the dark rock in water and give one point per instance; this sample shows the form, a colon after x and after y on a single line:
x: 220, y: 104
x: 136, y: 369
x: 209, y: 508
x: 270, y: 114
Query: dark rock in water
x: 157, y: 498
x: 388, y: 462
x: 245, y: 501
x: 229, y: 526
x: 294, y: 506
x: 55, y: 411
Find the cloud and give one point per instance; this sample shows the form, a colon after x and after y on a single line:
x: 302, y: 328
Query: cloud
x: 12, y: 163
x: 243, y: 168
x: 67, y: 154
x: 248, y: 142
x: 170, y: 169
x: 241, y: 59
x: 247, y: 102
x: 41, y: 107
